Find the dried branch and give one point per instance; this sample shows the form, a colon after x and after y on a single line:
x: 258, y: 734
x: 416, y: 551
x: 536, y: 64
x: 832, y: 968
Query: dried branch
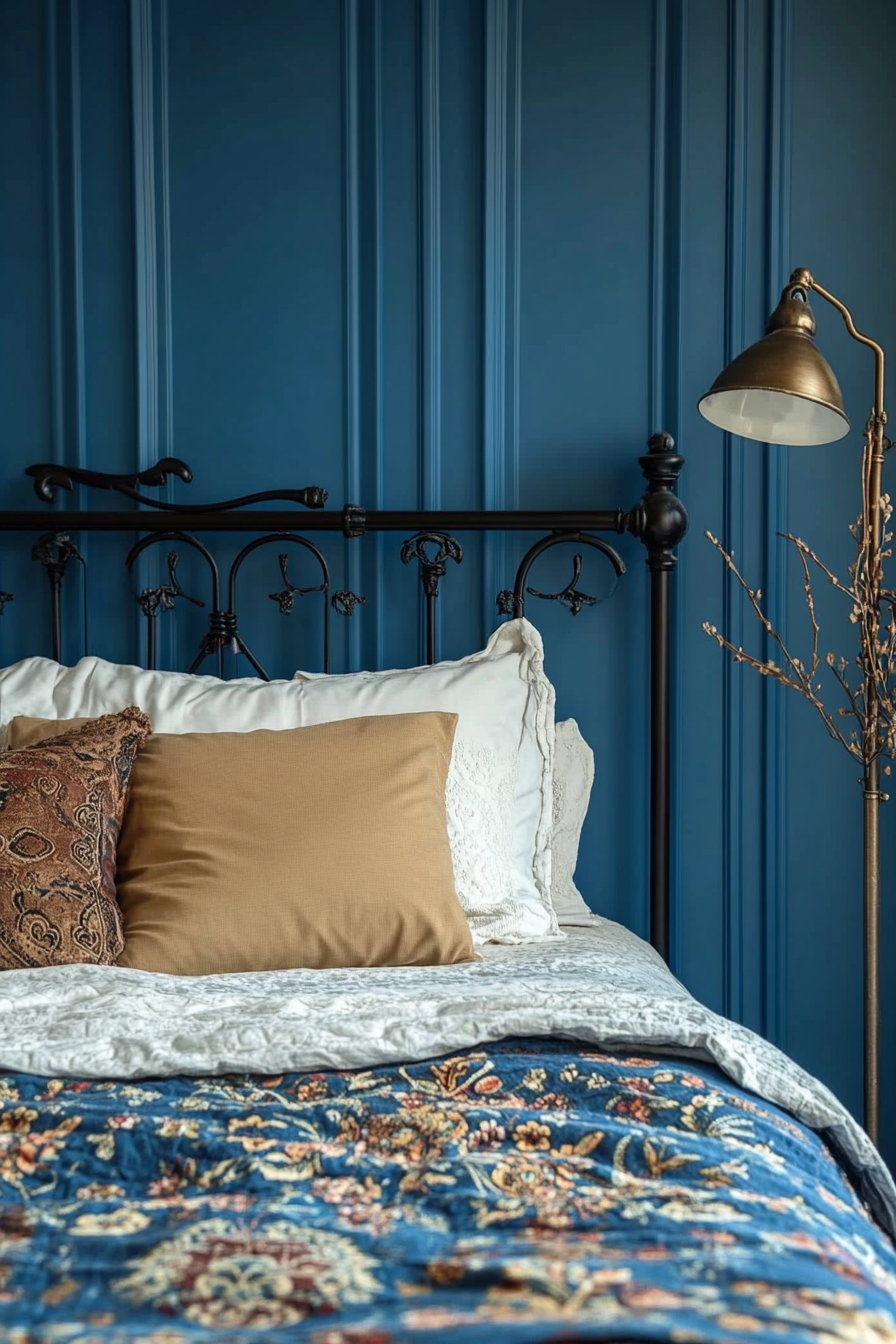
x: 870, y: 699
x: 754, y: 595
x: 810, y: 604
x: 770, y: 669
x: 807, y: 552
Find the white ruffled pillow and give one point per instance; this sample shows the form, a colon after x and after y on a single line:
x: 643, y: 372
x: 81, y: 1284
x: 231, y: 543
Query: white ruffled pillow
x: 499, y: 798
x: 499, y: 795
x: 573, y: 778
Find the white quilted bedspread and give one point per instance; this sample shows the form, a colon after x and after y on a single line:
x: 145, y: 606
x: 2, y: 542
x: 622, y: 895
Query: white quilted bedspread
x: 603, y: 985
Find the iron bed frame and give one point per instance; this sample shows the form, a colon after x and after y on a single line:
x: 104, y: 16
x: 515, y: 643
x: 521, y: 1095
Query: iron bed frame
x: 659, y: 521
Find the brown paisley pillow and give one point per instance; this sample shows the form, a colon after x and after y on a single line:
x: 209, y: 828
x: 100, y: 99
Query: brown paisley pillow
x: 61, y: 805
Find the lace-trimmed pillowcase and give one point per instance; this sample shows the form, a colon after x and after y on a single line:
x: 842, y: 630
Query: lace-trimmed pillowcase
x: 573, y: 779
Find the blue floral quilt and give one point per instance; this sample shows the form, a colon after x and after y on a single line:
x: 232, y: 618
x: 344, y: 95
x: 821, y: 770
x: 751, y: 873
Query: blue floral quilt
x: 527, y: 1190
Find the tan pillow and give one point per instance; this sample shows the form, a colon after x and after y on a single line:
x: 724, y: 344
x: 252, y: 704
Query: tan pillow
x: 320, y: 846
x: 24, y: 731
x: 61, y: 804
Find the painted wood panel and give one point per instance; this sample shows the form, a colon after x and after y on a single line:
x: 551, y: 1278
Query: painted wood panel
x: 472, y: 252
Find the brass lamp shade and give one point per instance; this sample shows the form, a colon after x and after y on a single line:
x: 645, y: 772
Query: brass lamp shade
x: 782, y: 389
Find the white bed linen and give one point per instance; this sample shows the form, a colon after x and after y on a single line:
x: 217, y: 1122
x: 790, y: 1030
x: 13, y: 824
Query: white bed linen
x: 603, y: 985
x: 499, y: 791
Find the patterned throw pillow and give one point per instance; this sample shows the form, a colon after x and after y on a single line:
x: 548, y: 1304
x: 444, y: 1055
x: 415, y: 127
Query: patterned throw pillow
x: 61, y: 805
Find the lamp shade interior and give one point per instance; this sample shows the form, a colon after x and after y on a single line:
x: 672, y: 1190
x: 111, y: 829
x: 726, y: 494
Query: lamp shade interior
x: 773, y: 417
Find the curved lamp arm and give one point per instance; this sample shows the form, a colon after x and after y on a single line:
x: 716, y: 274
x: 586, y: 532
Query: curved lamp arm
x: 806, y: 280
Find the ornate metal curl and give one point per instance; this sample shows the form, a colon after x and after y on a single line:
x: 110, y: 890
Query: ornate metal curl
x: 54, y: 550
x: 511, y: 602
x: 344, y: 602
x: 11, y: 597
x: 432, y: 567
x: 225, y: 631
x: 48, y: 477
x: 153, y: 600
x: 286, y: 598
x: 569, y: 597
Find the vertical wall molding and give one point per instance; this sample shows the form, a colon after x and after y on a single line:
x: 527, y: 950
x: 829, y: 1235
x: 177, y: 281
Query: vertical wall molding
x: 165, y: 217
x: 145, y: 251
x: 57, y: 379
x: 65, y: 229
x: 501, y: 279
x: 733, y: 512
x: 775, y: 487
x: 430, y: 272
x: 68, y: 381
x: 152, y: 225
x: 363, y: 161
x: 79, y: 415
x: 430, y: 257
x: 667, y: 205
x: 377, y: 437
x: 152, y: 260
x: 352, y: 291
x: 670, y: 70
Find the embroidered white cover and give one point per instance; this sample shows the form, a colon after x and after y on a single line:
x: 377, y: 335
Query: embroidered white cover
x: 602, y: 985
x: 573, y: 778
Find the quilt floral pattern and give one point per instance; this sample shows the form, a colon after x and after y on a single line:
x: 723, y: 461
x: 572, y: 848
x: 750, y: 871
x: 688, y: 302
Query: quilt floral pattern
x: 527, y: 1190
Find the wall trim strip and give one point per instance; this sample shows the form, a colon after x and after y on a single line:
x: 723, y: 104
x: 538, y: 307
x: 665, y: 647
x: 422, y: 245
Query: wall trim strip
x: 153, y: 314
x: 659, y: 153
x: 166, y: 413
x: 515, y: 120
x: 79, y: 417
x: 378, y: 441
x: 57, y: 367
x: 667, y: 213
x: 65, y: 227
x: 152, y: 226
x: 501, y: 281
x: 352, y: 283
x: 495, y: 244
x: 494, y: 437
x: 430, y: 256
x: 430, y: 273
x: 668, y: 142
x: 733, y: 512
x: 145, y: 241
x: 775, y: 493
x: 63, y: 167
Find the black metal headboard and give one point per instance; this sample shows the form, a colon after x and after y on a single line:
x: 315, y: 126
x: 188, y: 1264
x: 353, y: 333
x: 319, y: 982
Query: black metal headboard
x: 658, y: 520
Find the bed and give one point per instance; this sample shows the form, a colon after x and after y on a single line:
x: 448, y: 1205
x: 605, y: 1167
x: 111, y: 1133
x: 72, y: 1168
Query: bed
x: 538, y: 1133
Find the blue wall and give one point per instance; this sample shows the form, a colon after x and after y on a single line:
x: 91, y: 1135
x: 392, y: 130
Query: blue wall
x: 472, y: 253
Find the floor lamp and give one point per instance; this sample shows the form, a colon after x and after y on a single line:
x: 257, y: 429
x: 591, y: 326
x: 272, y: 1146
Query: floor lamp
x: 781, y: 390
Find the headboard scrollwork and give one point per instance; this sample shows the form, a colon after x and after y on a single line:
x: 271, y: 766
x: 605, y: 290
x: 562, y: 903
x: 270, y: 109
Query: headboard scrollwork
x: 658, y: 520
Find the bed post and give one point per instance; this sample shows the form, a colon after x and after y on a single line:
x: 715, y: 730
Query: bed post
x: 660, y: 522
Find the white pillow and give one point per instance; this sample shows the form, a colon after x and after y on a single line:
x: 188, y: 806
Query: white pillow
x: 177, y: 702
x: 499, y: 794
x: 573, y: 778
x: 499, y: 797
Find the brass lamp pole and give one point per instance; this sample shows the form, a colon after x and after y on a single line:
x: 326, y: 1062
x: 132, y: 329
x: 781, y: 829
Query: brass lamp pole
x: 782, y: 390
